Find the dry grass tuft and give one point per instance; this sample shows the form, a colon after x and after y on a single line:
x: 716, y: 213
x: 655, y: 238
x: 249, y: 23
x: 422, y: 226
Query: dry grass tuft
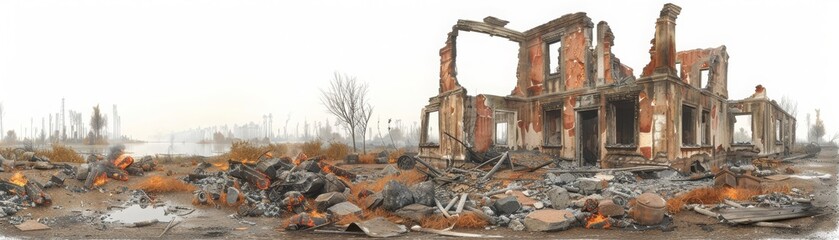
x: 347, y: 219
x: 312, y: 148
x: 61, y: 153
x: 369, y: 158
x: 336, y: 151
x: 245, y: 151
x: 160, y: 184
x: 465, y: 220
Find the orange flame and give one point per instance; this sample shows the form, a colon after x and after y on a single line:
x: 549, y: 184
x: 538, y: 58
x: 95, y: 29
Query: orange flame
x: 18, y: 179
x: 294, y: 202
x: 596, y: 219
x: 221, y: 166
x: 100, y: 180
x: 300, y: 158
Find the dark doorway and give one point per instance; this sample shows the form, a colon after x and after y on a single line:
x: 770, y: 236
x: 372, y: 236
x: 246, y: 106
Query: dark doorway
x: 589, y: 140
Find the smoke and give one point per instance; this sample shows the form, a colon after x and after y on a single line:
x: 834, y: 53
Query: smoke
x: 115, y: 150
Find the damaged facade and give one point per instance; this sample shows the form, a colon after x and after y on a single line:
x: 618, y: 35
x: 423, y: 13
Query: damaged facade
x: 591, y: 108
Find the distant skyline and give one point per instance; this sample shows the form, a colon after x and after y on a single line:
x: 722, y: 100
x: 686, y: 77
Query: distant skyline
x: 172, y: 65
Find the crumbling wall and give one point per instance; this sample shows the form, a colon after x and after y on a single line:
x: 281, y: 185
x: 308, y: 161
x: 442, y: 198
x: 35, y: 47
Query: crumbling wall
x: 715, y: 60
x: 765, y: 114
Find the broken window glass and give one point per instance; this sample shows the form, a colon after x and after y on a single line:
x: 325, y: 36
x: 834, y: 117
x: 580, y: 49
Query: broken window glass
x: 688, y: 126
x: 553, y: 127
x: 554, y: 57
x: 432, y: 129
x: 624, y: 121
x: 706, y: 128
x: 742, y: 129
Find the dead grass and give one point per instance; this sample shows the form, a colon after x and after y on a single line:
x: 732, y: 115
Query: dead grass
x: 394, y: 155
x: 369, y: 158
x: 336, y: 151
x: 312, y: 148
x: 160, y: 184
x: 465, y: 220
x: 714, y: 195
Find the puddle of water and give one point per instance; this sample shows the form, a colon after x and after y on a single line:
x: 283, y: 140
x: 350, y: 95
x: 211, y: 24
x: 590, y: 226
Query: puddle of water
x: 135, y: 213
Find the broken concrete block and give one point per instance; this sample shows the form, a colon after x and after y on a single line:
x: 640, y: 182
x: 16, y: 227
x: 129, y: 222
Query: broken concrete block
x: 382, y: 160
x: 538, y: 205
x: 396, y: 195
x: 522, y: 198
x: 415, y: 212
x: 566, y: 178
x: 507, y: 205
x: 333, y: 184
x: 609, y: 208
x: 549, y: 220
x: 81, y: 174
x: 343, y: 209
x: 559, y: 198
x: 591, y: 185
x: 423, y: 193
x: 516, y: 225
x: 351, y: 158
x: 374, y: 201
x: 326, y: 200
x: 389, y: 170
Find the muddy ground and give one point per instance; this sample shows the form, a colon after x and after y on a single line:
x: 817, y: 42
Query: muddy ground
x: 69, y: 208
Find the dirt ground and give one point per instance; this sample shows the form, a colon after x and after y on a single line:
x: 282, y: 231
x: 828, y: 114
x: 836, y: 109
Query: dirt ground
x: 69, y: 208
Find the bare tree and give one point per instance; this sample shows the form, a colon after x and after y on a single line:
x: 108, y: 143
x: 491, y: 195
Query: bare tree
x: 364, y: 114
x: 97, y: 123
x: 789, y: 105
x: 346, y: 99
x: 817, y: 130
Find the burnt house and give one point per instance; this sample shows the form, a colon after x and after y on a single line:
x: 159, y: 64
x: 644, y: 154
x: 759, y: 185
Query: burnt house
x: 591, y: 108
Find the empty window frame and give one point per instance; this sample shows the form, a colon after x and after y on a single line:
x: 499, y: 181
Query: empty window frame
x: 706, y: 128
x: 704, y: 76
x: 679, y: 69
x: 554, y: 57
x: 778, y: 133
x: 624, y: 122
x: 688, y: 125
x: 553, y: 127
x: 502, y: 127
x: 742, y: 129
x: 432, y: 128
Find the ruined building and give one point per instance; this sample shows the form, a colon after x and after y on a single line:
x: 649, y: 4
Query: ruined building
x: 593, y: 109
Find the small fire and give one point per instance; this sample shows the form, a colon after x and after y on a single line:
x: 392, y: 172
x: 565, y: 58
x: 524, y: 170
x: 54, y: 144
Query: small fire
x: 317, y: 214
x: 294, y: 202
x: 100, y: 180
x: 18, y: 179
x: 325, y: 168
x: 300, y: 158
x: 597, y: 221
x: 222, y: 166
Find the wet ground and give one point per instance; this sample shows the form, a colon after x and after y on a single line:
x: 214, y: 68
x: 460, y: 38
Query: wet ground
x: 77, y: 215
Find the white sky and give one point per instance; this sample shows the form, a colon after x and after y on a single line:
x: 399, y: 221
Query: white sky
x: 172, y: 65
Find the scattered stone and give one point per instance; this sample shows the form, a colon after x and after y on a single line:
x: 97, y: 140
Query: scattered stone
x: 488, y: 211
x: 389, y: 170
x: 538, y: 205
x: 591, y: 185
x: 396, y: 195
x: 609, y: 208
x: 516, y: 225
x: 522, y: 198
x: 232, y: 195
x: 567, y: 178
x: 424, y: 193
x: 604, y: 177
x: 507, y: 205
x: 559, y: 198
x: 415, y: 212
x: 343, y: 209
x: 549, y: 220
x: 529, y: 193
x: 374, y: 201
x: 667, y: 174
x: 326, y: 200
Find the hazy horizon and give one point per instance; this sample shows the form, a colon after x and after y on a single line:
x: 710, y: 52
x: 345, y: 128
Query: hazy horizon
x: 174, y: 65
